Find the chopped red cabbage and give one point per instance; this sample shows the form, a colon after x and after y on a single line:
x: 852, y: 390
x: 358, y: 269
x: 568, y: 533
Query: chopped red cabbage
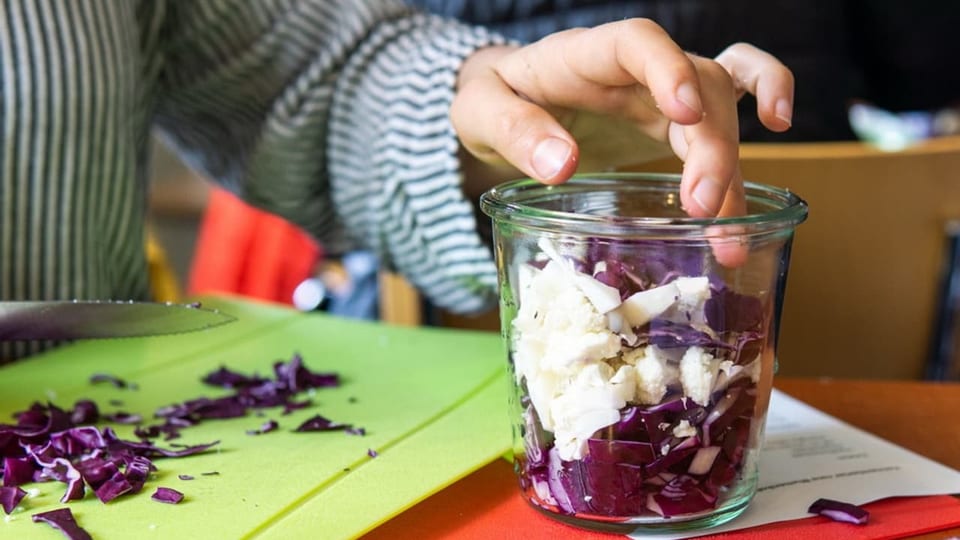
x: 10, y: 497
x: 167, y: 495
x: 64, y: 471
x: 627, y: 475
x: 616, y: 451
x: 184, y: 477
x: 729, y: 311
x: 117, y: 382
x: 645, y: 263
x: 113, y: 487
x: 231, y: 379
x: 733, y: 404
x: 372, y: 453
x: 46, y: 445
x: 62, y: 520
x: 250, y: 392
x: 267, y: 427
x: 291, y: 406
x: 671, y: 335
x: 703, y: 460
x: 681, y: 452
x: 37, y: 422
x: 297, y: 377
x: 121, y: 417
x: 593, y: 486
x: 49, y: 444
x: 84, y: 411
x: 17, y: 471
x: 681, y: 495
x: 319, y: 423
x: 840, y: 511
x: 137, y: 471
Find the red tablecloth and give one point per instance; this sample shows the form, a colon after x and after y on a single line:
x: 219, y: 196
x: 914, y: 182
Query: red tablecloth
x: 487, y: 505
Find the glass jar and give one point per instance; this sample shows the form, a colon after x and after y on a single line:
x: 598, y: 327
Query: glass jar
x: 642, y: 345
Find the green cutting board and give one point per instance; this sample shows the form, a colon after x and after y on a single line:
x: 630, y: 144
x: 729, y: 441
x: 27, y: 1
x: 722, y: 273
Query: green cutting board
x: 432, y: 402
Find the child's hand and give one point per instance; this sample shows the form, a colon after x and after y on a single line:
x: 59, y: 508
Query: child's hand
x: 616, y: 94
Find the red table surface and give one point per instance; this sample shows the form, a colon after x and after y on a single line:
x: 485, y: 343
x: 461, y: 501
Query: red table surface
x: 487, y: 504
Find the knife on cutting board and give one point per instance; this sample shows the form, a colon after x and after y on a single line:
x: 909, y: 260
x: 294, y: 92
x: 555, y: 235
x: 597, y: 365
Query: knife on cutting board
x: 76, y: 319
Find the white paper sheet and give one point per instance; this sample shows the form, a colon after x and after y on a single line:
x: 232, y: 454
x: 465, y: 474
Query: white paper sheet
x: 808, y: 455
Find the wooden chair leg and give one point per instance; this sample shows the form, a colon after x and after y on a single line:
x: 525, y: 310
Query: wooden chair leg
x: 400, y: 302
x: 944, y: 360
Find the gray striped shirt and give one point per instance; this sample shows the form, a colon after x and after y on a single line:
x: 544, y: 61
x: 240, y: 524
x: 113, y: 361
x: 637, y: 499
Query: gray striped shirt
x: 330, y: 113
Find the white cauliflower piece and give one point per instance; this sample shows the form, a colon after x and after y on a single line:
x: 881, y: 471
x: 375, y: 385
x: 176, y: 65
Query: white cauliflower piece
x: 728, y: 368
x: 698, y: 370
x: 727, y: 372
x: 558, y: 335
x: 589, y: 402
x: 624, y: 383
x: 683, y: 429
x: 694, y: 292
x: 616, y: 322
x: 603, y: 297
x: 640, y: 307
x: 682, y: 300
x: 557, y: 319
x: 542, y: 390
x: 654, y: 373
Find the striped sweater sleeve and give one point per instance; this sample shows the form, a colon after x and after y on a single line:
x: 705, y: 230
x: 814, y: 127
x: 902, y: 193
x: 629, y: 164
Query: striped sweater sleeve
x: 74, y: 95
x: 333, y: 114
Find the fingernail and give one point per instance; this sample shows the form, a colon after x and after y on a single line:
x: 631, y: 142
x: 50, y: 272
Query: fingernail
x: 688, y: 95
x: 784, y: 111
x: 708, y: 194
x: 550, y: 156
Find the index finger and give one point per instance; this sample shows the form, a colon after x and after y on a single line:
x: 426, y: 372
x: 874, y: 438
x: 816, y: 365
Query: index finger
x: 761, y: 74
x: 556, y: 70
x: 710, y: 149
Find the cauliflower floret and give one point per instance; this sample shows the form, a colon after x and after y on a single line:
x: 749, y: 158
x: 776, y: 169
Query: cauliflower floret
x: 683, y: 429
x: 559, y: 337
x: 559, y: 320
x: 654, y: 373
x: 617, y: 323
x: 692, y: 296
x: 698, y: 369
x: 589, y: 402
x: 594, y: 375
x: 624, y: 383
x: 603, y: 297
x: 640, y: 307
x: 682, y: 300
x: 571, y: 439
x: 694, y: 292
x: 542, y: 389
x: 728, y: 368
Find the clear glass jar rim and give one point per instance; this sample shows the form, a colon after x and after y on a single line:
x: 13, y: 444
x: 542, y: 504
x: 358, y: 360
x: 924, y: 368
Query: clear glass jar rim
x: 501, y: 203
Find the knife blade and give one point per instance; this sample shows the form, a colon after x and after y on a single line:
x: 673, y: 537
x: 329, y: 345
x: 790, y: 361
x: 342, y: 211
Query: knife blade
x: 63, y: 320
